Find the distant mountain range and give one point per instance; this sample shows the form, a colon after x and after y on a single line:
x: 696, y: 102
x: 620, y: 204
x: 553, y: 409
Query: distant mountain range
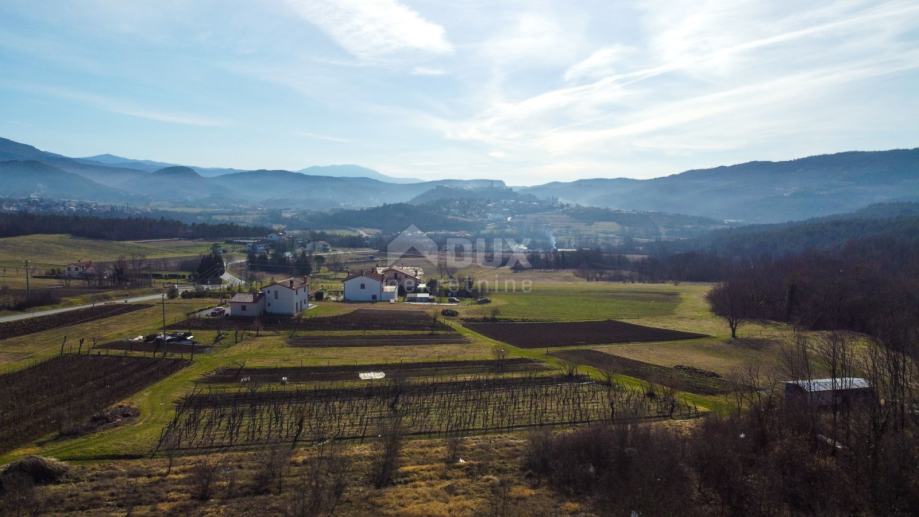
x: 761, y: 192
x: 26, y: 171
x: 758, y: 191
x: 353, y: 171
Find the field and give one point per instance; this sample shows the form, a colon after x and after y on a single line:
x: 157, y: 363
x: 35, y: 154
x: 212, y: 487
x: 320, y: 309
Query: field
x: 153, y: 348
x: 444, y: 380
x: 368, y: 340
x: 360, y: 319
x: 680, y: 377
x: 65, y: 319
x: 392, y: 370
x: 545, y: 334
x: 62, y: 394
x: 435, y: 407
x: 59, y: 250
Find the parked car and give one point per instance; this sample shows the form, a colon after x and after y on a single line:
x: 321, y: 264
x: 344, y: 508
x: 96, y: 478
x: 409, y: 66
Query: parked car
x: 218, y: 311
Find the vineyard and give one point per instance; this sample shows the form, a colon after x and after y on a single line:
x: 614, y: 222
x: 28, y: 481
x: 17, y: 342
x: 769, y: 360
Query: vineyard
x: 574, y: 333
x: 219, y: 419
x: 62, y: 394
x: 350, y: 372
x: 65, y: 319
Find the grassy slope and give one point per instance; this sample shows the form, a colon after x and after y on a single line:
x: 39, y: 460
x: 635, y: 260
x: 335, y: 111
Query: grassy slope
x: 58, y: 250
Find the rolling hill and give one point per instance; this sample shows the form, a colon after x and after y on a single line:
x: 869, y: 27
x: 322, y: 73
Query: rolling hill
x: 753, y: 192
x: 758, y: 191
x: 353, y: 171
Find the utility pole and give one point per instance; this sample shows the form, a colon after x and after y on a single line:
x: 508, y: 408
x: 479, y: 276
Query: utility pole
x: 164, y: 319
x: 28, y: 287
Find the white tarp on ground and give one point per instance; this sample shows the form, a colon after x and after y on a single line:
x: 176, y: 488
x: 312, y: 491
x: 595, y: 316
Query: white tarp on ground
x: 366, y: 376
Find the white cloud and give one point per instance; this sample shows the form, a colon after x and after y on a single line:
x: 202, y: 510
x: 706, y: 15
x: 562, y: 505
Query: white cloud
x: 599, y: 64
x: 428, y: 71
x: 727, y: 69
x: 374, y: 29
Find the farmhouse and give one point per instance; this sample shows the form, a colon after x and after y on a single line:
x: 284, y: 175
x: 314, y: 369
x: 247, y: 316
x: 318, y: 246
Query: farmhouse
x: 285, y: 298
x: 368, y: 287
x: 80, y: 269
x: 823, y: 392
x: 288, y: 297
x: 406, y: 278
x: 247, y: 305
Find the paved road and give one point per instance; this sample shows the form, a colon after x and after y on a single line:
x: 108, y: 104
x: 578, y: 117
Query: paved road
x: 230, y: 278
x: 27, y: 315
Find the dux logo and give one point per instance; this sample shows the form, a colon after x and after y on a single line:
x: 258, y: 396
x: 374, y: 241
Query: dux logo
x: 411, y: 242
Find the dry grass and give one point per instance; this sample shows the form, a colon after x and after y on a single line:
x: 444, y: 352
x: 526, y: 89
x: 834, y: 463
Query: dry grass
x: 423, y: 485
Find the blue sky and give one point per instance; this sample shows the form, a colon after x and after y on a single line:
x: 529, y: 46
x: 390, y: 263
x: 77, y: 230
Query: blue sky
x: 525, y: 91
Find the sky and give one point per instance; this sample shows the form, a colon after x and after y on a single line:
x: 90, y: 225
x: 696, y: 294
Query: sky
x: 524, y: 91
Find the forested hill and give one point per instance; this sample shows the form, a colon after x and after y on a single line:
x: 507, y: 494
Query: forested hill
x: 127, y: 228
x: 894, y: 221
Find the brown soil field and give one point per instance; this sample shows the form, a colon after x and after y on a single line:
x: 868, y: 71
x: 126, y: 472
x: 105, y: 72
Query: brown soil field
x: 451, y: 338
x: 350, y: 372
x: 64, y: 393
x: 360, y: 319
x: 131, y: 346
x: 548, y: 334
x: 681, y: 378
x: 65, y: 319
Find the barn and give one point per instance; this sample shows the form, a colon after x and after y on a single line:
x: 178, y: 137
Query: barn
x: 823, y: 392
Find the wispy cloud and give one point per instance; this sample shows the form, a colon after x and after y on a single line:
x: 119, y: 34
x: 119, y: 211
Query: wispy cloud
x: 324, y: 138
x: 601, y: 63
x: 118, y: 106
x: 736, y: 77
x: 374, y: 29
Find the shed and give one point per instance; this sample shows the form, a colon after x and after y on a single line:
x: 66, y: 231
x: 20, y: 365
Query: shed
x: 822, y: 392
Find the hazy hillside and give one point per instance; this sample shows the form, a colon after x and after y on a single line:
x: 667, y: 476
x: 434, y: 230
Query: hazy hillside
x: 353, y: 171
x: 898, y: 221
x: 759, y: 191
x: 27, y: 178
x: 754, y: 192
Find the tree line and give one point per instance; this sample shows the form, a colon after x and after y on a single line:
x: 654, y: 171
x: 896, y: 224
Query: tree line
x: 122, y: 228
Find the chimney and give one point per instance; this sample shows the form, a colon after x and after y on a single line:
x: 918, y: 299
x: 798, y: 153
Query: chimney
x: 291, y: 283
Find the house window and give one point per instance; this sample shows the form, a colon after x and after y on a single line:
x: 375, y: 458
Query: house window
x: 275, y: 295
x: 244, y: 308
x: 362, y: 286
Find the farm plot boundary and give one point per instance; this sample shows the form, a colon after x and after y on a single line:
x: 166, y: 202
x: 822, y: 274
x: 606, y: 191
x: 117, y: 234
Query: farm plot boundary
x: 684, y: 378
x: 153, y: 348
x: 331, y: 340
x: 360, y: 319
x: 65, y: 319
x: 350, y: 372
x: 575, y: 333
x: 63, y: 393
x: 488, y: 404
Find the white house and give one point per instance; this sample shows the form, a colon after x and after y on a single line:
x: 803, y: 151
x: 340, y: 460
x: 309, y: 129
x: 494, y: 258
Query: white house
x: 407, y: 278
x: 368, y: 287
x: 80, y: 269
x: 247, y: 305
x: 288, y: 297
